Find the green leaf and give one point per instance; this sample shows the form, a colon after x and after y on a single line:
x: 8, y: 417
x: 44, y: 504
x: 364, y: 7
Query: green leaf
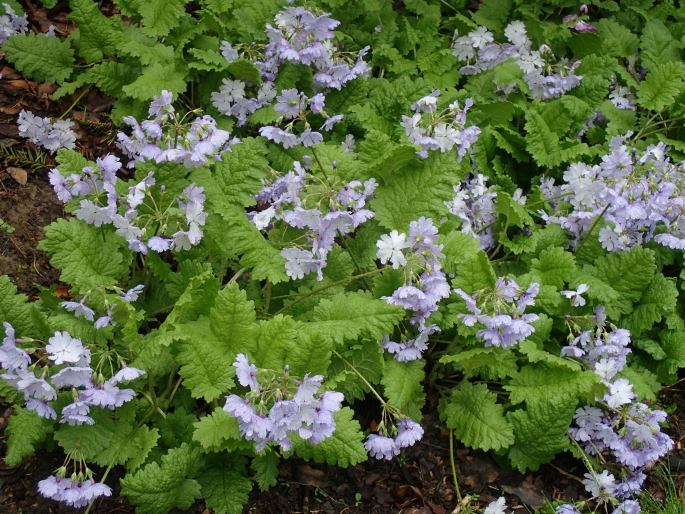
x: 238, y: 176
x: 207, y: 370
x: 402, y: 384
x: 627, y: 274
x: 382, y: 156
x: 490, y: 363
x: 477, y: 419
x: 349, y: 316
x: 128, y: 445
x: 662, y: 85
x: 554, y: 266
x: 256, y: 253
x: 155, y: 78
x: 344, y: 448
x: 367, y: 359
x: 617, y: 39
x: 475, y: 274
x: 458, y: 248
x: 541, y: 432
x: 14, y: 308
x: 88, y: 257
x: 160, y: 16
x: 658, y: 299
x: 416, y: 191
x: 493, y: 14
x: 645, y: 383
x: 40, y: 57
x: 225, y: 485
x: 265, y: 467
x: 110, y: 76
x: 515, y: 213
x: 217, y: 430
x: 98, y: 34
x: 87, y: 441
x: 25, y: 431
x: 541, y: 384
x: 159, y: 488
x: 658, y: 45
x: 232, y: 318
x: 673, y: 344
x: 541, y: 141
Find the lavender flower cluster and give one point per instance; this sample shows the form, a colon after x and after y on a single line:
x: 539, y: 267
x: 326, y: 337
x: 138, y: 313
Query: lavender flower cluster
x: 11, y: 24
x: 51, y: 135
x: 279, y: 406
x: 288, y: 199
x: 545, y: 76
x: 38, y: 391
x: 618, y: 426
x: 440, y: 130
x: 302, y: 37
x: 637, y: 198
x: 299, y: 37
x: 140, y: 223
x: 407, y: 433
x: 474, y: 205
x: 425, y: 282
x: 501, y: 313
x: 76, y: 491
x: 295, y: 106
x: 166, y: 137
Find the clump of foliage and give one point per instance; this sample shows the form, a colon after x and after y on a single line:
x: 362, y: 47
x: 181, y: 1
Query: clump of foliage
x: 307, y: 217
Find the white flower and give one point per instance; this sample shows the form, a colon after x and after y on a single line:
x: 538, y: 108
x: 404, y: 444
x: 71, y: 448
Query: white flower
x: 496, y: 507
x: 600, y: 485
x: 481, y: 37
x: 530, y: 61
x: 262, y: 219
x: 390, y: 248
x: 63, y: 348
x: 620, y: 393
x: 463, y: 48
x: 516, y: 34
x: 576, y: 297
x: 446, y: 136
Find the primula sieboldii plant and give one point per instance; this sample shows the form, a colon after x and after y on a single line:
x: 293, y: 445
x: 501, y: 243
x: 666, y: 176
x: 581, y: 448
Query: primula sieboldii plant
x: 316, y: 222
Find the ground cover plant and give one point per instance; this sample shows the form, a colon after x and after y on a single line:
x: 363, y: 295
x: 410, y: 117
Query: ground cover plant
x: 316, y: 210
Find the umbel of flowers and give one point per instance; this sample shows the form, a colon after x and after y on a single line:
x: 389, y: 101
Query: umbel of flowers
x: 324, y: 211
x: 629, y: 197
x: 279, y: 406
x: 65, y: 366
x: 622, y: 433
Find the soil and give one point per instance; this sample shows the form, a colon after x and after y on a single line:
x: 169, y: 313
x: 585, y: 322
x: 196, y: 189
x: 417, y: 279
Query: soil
x: 420, y: 481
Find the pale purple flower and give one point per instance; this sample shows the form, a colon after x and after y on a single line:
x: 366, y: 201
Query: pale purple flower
x: 132, y: 294
x: 80, y: 309
x: 246, y: 372
x: 409, y: 432
x: 228, y: 52
x: 12, y: 24
x: 126, y: 374
x: 11, y: 357
x: 73, y: 376
x: 73, y: 493
x: 76, y: 413
x: 381, y: 447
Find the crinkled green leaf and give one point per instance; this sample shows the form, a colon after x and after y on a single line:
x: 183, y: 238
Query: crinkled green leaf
x: 88, y: 257
x: 477, y: 419
x: 402, y: 384
x: 158, y: 488
x: 40, y: 57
